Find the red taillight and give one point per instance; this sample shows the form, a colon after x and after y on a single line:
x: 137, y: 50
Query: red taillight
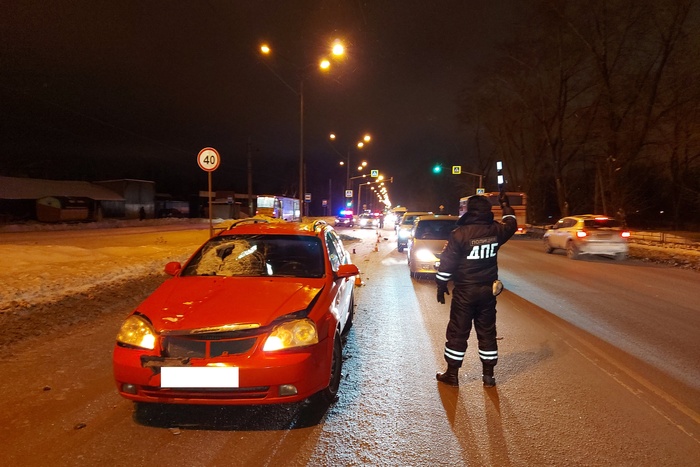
x: 625, y: 234
x: 581, y: 233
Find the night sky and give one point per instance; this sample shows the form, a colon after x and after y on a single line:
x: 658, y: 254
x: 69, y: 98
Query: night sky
x: 134, y: 89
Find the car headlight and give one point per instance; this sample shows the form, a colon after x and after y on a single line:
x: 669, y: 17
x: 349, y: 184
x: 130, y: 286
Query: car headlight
x: 297, y: 333
x: 425, y: 255
x: 138, y: 332
x: 404, y: 234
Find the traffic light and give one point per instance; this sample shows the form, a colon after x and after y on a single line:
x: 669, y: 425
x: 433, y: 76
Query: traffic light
x: 437, y: 168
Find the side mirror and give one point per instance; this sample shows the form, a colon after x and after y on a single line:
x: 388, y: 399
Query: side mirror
x: 173, y: 268
x: 347, y: 270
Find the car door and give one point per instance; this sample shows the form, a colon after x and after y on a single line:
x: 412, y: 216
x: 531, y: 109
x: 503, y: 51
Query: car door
x: 342, y: 288
x: 557, y: 236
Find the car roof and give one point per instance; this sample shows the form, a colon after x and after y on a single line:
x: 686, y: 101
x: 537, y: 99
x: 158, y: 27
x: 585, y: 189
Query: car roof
x: 437, y: 217
x: 270, y: 226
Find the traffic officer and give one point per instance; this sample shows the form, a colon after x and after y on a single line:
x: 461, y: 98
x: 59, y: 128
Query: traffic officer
x: 469, y: 260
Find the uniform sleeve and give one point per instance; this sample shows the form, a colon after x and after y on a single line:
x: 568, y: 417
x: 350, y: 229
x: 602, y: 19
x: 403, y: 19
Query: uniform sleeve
x: 510, y: 225
x: 449, y: 259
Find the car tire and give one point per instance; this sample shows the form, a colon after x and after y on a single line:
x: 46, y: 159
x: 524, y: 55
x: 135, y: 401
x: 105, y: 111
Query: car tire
x: 571, y: 250
x: 547, y: 247
x: 400, y: 248
x: 329, y: 395
x: 620, y: 256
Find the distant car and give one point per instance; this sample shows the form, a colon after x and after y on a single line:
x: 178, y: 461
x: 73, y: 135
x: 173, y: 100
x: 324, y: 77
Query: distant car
x: 588, y: 234
x: 256, y: 316
x: 345, y: 219
x: 367, y: 221
x: 428, y: 239
x: 403, y: 232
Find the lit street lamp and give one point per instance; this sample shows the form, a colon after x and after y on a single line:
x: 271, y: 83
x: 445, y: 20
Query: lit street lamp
x: 360, y: 144
x: 337, y: 50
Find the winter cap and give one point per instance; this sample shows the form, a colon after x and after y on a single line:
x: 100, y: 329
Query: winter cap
x: 478, y: 204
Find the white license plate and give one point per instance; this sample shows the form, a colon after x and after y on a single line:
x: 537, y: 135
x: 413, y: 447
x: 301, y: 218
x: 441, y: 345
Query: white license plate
x: 199, y: 377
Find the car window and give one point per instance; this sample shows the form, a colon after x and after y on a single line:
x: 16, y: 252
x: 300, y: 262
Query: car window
x: 567, y: 222
x: 434, y: 229
x: 258, y: 255
x: 336, y: 253
x: 599, y: 223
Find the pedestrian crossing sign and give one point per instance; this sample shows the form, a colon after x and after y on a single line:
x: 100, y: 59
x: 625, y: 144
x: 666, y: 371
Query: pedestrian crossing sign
x: 456, y: 169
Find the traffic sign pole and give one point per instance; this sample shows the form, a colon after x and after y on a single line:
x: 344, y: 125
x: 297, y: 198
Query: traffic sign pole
x: 209, y: 160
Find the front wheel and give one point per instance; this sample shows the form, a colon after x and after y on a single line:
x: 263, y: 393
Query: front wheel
x: 328, y: 395
x: 547, y: 247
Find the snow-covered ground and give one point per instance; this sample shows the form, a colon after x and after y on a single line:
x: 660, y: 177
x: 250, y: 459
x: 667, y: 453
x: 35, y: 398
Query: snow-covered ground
x: 40, y: 268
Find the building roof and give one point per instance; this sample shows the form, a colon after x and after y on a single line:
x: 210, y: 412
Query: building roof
x: 34, y: 188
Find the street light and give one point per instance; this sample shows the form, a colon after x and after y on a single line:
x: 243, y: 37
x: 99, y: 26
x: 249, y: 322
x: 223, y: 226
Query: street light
x: 337, y: 50
x: 360, y: 144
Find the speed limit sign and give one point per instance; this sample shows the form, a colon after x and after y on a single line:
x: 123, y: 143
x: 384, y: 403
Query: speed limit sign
x: 208, y: 159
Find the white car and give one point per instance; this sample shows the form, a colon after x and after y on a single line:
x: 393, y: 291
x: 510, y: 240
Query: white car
x: 428, y: 239
x: 588, y: 234
x: 367, y: 221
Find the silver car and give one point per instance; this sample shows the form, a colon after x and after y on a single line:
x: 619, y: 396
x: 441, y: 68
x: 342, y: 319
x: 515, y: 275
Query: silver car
x: 428, y: 238
x: 588, y: 234
x: 403, y: 232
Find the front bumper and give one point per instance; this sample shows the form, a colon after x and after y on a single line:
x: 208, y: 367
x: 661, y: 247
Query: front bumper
x: 263, y: 378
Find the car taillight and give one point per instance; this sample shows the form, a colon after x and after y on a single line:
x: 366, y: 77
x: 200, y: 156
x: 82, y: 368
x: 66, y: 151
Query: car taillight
x: 581, y: 233
x: 625, y: 234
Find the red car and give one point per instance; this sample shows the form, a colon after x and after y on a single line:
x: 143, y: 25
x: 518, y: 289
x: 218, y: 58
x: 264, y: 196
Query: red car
x: 255, y: 316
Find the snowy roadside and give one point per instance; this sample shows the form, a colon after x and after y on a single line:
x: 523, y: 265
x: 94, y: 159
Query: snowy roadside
x: 41, y: 268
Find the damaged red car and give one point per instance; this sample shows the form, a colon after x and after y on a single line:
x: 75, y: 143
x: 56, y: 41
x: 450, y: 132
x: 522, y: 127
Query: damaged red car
x: 256, y: 316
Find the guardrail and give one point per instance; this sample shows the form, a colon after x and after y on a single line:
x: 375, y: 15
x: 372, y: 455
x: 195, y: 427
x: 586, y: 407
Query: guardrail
x: 640, y: 236
x: 662, y: 237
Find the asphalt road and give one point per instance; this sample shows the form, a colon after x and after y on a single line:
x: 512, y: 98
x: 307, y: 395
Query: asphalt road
x: 587, y: 375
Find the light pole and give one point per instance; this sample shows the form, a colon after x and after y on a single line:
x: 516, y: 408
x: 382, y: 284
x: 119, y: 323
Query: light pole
x: 360, y: 144
x: 380, y: 181
x: 337, y: 50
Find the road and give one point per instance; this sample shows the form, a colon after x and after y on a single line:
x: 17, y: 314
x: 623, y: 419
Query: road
x: 586, y: 376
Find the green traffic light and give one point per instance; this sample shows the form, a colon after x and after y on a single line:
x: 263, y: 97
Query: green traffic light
x: 437, y: 169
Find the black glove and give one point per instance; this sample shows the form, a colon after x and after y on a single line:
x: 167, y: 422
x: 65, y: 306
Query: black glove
x: 442, y: 291
x: 503, y: 200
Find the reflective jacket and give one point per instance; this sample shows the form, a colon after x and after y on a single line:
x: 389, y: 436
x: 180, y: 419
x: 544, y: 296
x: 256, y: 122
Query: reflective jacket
x: 470, y: 254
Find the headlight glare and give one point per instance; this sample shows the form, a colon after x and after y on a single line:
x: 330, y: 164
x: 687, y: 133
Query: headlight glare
x: 425, y: 255
x: 297, y: 333
x: 138, y: 332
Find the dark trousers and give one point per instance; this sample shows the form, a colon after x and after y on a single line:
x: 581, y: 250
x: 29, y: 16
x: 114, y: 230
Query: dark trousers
x: 472, y: 303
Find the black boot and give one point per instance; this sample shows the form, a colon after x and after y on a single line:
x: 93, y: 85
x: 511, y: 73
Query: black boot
x: 449, y: 377
x: 487, y: 377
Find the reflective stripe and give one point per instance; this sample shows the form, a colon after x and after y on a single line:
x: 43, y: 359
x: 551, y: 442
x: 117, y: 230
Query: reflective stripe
x: 454, y: 355
x: 488, y: 354
x: 509, y: 215
x: 443, y: 276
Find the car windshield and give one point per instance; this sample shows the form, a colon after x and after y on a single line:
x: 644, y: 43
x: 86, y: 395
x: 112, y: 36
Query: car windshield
x: 602, y: 222
x: 408, y: 220
x: 435, y: 229
x: 258, y: 255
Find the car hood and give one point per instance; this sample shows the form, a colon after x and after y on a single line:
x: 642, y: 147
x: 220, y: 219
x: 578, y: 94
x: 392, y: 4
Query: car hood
x: 184, y: 303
